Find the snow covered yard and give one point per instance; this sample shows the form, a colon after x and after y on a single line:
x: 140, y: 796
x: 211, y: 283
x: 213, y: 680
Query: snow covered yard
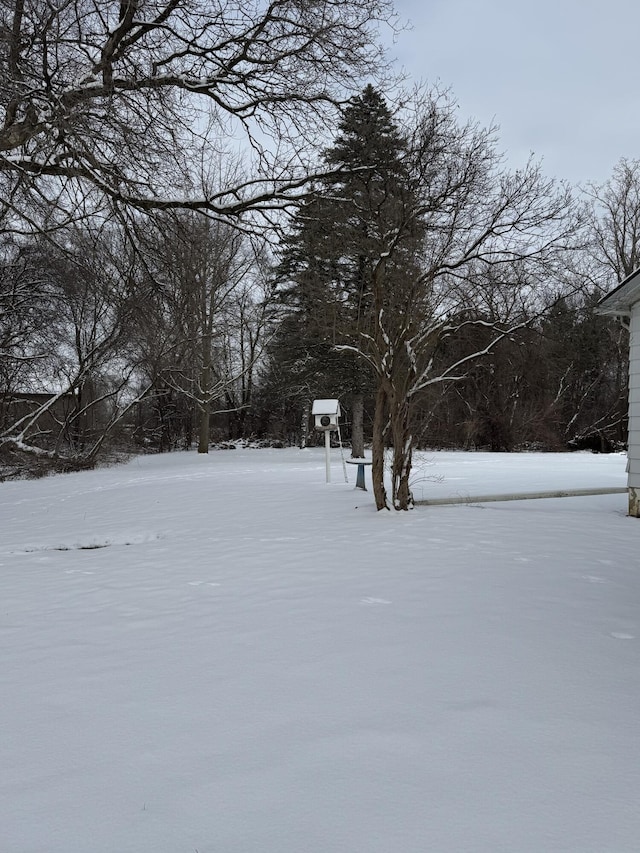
x: 225, y: 654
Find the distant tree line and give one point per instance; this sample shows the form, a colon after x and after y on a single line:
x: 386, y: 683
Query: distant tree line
x: 158, y: 291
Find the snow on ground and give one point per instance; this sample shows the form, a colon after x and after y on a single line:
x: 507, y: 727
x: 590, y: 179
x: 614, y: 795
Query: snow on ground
x: 224, y: 654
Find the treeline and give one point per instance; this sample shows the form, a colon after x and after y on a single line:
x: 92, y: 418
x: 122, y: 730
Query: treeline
x: 159, y: 291
x: 176, y: 330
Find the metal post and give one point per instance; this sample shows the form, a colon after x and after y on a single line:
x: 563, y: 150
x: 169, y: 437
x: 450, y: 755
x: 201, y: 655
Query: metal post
x: 344, y: 464
x: 327, y: 451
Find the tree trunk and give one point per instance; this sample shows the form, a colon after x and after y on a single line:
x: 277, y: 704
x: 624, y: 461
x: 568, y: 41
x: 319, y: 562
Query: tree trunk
x: 304, y: 423
x: 203, y: 427
x: 204, y: 403
x: 402, y: 453
x: 357, y: 426
x: 377, y: 466
x: 204, y: 406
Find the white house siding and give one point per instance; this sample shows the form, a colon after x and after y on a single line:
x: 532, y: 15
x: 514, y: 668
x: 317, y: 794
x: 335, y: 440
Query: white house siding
x: 624, y: 301
x: 634, y: 411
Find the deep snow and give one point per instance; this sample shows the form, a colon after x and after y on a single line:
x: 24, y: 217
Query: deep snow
x: 225, y: 654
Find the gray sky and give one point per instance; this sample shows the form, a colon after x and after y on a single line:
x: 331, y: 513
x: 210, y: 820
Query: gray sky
x: 560, y: 77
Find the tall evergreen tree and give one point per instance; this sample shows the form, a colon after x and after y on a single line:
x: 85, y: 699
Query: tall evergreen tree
x: 329, y: 259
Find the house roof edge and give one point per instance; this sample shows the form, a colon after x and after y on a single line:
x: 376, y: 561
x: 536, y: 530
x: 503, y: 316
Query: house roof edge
x: 621, y: 299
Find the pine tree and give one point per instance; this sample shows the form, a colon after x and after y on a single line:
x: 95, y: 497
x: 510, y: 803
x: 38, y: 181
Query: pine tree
x: 328, y: 262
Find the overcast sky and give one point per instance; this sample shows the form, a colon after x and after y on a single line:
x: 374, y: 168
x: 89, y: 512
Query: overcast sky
x: 560, y: 77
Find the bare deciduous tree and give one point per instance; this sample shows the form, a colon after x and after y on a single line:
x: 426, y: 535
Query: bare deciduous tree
x: 119, y: 99
x: 473, y: 215
x: 197, y: 314
x: 615, y: 223
x: 78, y: 361
x: 26, y: 313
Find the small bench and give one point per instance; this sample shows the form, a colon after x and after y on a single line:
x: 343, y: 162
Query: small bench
x: 361, y: 463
